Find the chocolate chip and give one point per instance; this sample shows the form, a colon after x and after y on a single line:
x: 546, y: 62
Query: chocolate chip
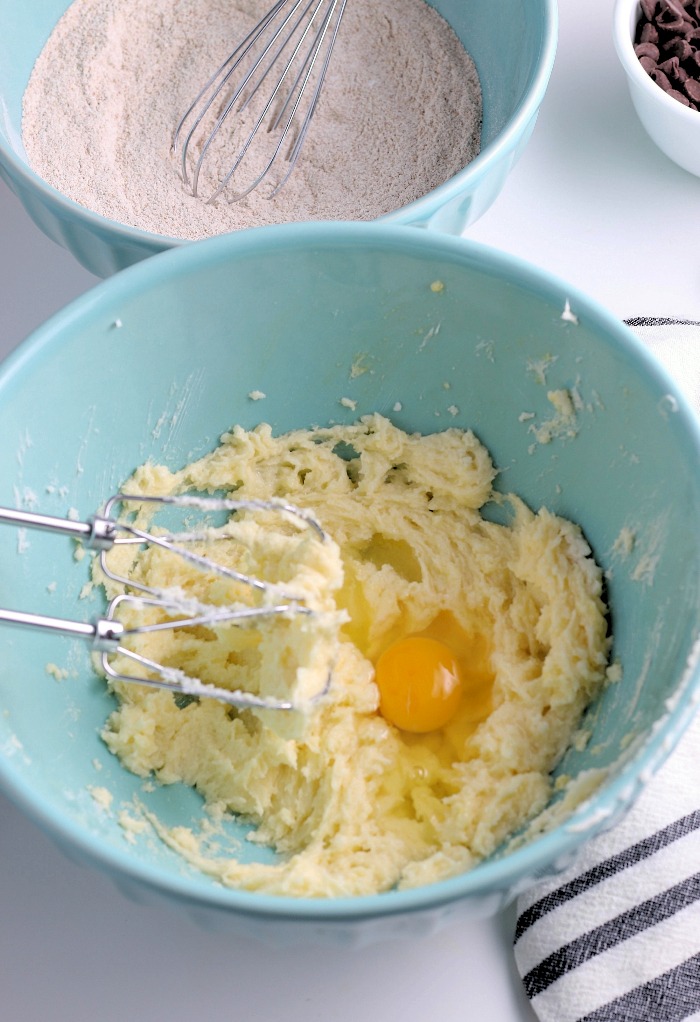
x: 680, y: 48
x: 672, y: 16
x: 647, y: 50
x: 660, y: 78
x: 673, y: 70
x: 692, y: 89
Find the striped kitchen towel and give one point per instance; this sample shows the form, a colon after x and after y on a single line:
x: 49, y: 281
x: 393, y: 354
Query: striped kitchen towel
x: 616, y: 938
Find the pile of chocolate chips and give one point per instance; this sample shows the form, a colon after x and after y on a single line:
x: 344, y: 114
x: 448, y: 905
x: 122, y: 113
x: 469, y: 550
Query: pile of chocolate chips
x: 667, y: 42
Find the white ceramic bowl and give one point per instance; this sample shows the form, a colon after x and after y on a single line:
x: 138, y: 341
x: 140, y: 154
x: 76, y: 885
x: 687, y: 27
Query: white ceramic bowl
x: 673, y: 127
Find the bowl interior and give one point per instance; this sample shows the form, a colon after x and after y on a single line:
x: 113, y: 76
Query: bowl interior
x: 160, y: 360
x: 506, y: 46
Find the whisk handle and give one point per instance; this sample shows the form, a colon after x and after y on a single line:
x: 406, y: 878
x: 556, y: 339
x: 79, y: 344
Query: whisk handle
x: 103, y: 633
x: 97, y: 533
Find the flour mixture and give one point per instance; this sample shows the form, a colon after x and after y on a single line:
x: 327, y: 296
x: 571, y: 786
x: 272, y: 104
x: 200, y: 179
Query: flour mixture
x: 400, y: 112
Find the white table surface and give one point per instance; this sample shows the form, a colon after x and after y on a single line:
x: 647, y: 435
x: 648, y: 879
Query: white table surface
x: 591, y: 200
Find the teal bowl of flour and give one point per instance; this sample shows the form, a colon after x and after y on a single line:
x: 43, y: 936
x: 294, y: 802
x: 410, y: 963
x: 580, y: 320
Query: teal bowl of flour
x: 512, y: 44
x: 161, y: 359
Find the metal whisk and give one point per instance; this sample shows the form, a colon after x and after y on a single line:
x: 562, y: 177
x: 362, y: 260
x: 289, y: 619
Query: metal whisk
x: 274, y: 77
x: 109, y: 636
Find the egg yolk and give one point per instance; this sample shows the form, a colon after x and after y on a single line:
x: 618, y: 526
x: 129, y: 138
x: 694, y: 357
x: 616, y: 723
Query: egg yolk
x: 420, y: 684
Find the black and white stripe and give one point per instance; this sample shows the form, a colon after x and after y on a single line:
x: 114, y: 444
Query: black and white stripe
x: 617, y: 937
x: 608, y: 867
x: 655, y: 321
x: 672, y: 996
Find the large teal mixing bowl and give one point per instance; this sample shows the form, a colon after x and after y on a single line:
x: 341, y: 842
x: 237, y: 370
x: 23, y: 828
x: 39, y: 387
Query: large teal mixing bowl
x: 159, y: 360
x: 512, y: 42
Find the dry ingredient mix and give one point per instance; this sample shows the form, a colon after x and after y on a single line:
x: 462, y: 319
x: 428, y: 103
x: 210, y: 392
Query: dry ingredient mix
x: 355, y: 803
x: 400, y: 112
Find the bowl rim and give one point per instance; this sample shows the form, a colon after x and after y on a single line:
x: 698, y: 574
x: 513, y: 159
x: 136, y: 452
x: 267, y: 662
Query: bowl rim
x: 623, y: 13
x: 435, y: 199
x: 526, y: 863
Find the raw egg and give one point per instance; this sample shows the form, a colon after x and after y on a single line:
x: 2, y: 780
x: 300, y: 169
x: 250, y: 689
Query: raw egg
x: 425, y: 679
x: 420, y: 684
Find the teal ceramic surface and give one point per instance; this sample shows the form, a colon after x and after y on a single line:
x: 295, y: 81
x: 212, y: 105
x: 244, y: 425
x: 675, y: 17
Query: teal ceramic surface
x: 512, y: 42
x: 159, y: 360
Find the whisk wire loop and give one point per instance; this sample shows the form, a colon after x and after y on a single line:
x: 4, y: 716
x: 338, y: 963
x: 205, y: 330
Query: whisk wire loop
x: 236, y: 196
x: 295, y: 38
x: 234, y: 60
